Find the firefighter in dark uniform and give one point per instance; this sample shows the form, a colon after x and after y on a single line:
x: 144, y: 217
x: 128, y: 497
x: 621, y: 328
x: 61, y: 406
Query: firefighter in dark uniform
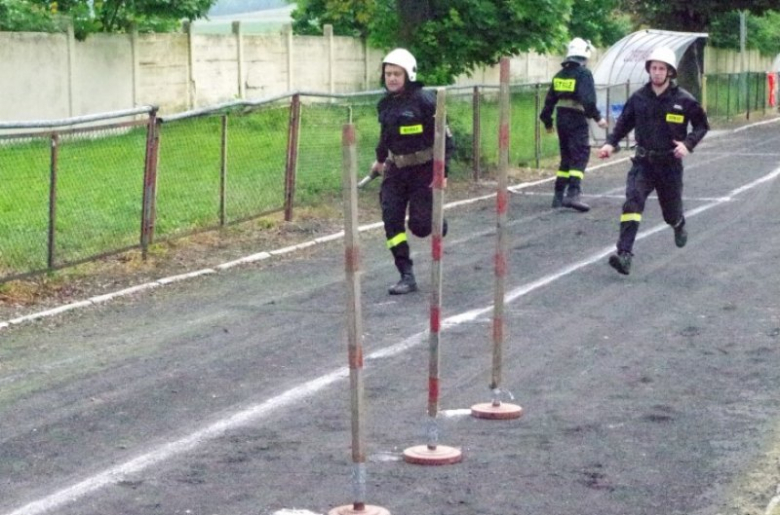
x: 660, y: 114
x: 404, y: 156
x: 574, y: 93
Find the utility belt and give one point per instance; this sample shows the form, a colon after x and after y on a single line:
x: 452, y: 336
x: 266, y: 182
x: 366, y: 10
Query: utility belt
x: 413, y: 159
x: 570, y: 104
x: 653, y: 155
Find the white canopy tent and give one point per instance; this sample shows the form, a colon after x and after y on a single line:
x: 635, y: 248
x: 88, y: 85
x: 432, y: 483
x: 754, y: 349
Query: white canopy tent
x: 625, y: 60
x: 621, y: 70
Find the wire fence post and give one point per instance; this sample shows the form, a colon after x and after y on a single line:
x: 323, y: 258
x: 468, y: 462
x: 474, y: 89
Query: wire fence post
x: 223, y: 172
x: 476, y: 136
x: 293, y: 132
x: 52, y: 233
x: 150, y: 183
x: 537, y: 125
x: 704, y: 92
x: 728, y: 97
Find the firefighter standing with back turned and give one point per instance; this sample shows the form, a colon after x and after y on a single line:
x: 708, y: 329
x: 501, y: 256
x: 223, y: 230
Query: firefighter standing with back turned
x: 659, y: 114
x: 574, y: 92
x: 404, y: 155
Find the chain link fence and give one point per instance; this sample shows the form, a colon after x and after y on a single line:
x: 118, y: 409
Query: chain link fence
x: 71, y: 190
x: 83, y: 188
x: 737, y: 95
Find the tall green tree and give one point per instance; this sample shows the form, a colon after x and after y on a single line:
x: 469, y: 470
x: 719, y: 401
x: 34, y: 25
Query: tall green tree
x: 101, y: 15
x: 763, y: 32
x: 24, y: 16
x: 448, y: 37
x: 451, y: 37
x: 348, y: 17
x: 599, y: 21
x: 691, y: 15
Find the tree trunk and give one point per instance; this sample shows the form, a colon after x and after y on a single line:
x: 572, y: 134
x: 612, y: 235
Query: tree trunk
x: 412, y: 14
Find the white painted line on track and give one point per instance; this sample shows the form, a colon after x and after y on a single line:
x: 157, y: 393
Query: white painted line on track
x: 622, y: 197
x: 254, y: 413
x: 756, y: 124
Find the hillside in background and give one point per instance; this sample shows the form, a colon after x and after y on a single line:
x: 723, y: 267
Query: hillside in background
x: 225, y: 7
x: 257, y: 16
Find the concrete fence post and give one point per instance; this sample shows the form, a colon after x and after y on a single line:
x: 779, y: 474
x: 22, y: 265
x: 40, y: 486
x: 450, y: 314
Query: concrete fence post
x: 237, y: 32
x: 191, y: 87
x: 136, y: 65
x: 71, y: 70
x: 327, y: 32
x: 288, y: 33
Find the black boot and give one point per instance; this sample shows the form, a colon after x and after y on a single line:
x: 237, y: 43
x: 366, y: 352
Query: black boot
x: 680, y: 234
x: 621, y: 262
x: 407, y: 284
x: 557, y: 200
x: 573, y: 201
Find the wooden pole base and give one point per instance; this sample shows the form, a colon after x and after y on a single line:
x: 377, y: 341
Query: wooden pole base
x: 502, y: 411
x: 349, y: 509
x: 441, y: 455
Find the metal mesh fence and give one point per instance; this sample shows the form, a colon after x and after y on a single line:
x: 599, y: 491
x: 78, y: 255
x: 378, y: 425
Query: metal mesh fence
x: 73, y: 192
x: 24, y: 203
x: 220, y: 168
x: 99, y: 183
x: 730, y: 96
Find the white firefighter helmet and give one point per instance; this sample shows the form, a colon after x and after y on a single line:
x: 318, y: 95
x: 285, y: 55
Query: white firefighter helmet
x: 578, y: 47
x: 665, y: 55
x: 403, y: 58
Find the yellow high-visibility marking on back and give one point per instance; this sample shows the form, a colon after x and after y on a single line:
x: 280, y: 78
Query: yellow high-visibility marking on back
x: 411, y: 129
x: 567, y: 85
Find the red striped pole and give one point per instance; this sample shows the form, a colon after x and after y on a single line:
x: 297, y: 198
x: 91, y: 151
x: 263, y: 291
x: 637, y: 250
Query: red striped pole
x: 354, y: 328
x: 495, y: 409
x: 433, y: 453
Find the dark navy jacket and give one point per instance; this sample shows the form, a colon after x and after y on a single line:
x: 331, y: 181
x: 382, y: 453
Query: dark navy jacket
x: 659, y: 120
x: 572, y: 82
x: 407, y: 121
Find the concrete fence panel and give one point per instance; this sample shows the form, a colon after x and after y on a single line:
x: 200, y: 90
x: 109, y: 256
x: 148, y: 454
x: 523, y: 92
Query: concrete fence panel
x: 311, y: 64
x: 215, y: 68
x: 34, y: 76
x: 164, y: 71
x: 103, y: 74
x: 266, y: 66
x: 53, y: 76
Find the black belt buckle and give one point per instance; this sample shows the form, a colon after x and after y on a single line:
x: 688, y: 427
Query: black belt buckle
x: 652, y: 155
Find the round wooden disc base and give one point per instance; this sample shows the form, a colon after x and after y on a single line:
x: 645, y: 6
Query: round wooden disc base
x: 349, y: 509
x: 503, y: 411
x: 441, y: 455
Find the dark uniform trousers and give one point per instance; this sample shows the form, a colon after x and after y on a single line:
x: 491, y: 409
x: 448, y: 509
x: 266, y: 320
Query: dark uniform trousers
x: 664, y: 175
x: 412, y: 185
x: 574, y: 143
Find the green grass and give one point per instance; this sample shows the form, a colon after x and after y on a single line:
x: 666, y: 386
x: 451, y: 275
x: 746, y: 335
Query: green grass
x: 100, y: 179
x: 728, y: 99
